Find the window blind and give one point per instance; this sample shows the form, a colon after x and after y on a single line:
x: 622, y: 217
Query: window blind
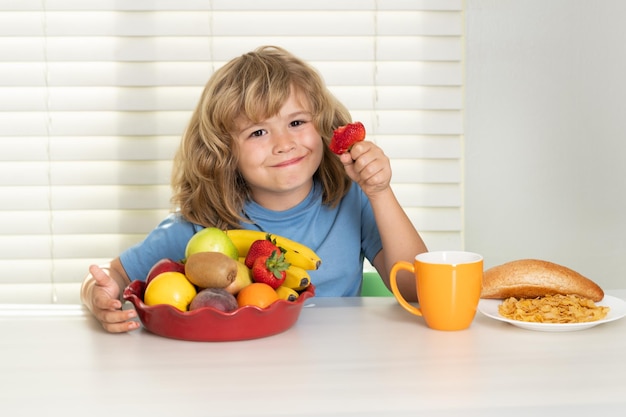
x: 95, y: 95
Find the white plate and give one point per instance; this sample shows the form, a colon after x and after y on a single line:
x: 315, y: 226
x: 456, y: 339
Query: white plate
x: 618, y: 310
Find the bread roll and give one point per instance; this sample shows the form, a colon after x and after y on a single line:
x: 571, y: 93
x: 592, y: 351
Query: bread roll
x: 531, y: 278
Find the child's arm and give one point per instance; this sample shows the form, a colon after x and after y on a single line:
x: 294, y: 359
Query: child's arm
x: 369, y: 167
x: 101, y: 291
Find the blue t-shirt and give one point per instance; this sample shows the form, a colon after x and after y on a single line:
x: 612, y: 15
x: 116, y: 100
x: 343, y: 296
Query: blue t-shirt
x: 342, y: 236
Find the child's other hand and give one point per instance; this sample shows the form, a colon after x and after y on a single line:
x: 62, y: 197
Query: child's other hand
x: 367, y: 165
x: 105, y: 304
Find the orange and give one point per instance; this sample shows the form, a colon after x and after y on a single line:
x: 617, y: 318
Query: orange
x: 171, y: 288
x: 256, y: 294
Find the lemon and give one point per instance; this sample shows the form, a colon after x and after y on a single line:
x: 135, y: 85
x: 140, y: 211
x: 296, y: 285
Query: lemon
x: 171, y: 288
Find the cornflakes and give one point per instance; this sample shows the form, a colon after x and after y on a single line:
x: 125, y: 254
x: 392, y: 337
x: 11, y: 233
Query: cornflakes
x: 552, y: 309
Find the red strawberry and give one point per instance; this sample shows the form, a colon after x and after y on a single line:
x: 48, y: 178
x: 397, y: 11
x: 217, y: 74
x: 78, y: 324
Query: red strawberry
x: 346, y: 136
x: 261, y: 247
x: 270, y: 269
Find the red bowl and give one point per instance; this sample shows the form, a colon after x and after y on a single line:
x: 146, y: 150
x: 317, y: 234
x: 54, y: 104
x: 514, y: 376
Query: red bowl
x: 210, y: 325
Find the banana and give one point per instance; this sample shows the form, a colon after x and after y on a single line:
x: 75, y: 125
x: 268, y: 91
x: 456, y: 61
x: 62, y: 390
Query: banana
x: 297, y: 278
x: 285, y: 293
x: 296, y: 253
x: 301, y: 261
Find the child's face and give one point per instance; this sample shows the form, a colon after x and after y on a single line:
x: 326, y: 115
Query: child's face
x: 278, y: 156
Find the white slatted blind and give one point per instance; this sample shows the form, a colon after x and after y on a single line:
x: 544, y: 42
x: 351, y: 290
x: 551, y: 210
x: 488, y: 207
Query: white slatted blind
x: 95, y: 94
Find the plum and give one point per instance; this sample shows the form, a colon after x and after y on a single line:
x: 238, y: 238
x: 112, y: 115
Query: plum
x: 218, y: 298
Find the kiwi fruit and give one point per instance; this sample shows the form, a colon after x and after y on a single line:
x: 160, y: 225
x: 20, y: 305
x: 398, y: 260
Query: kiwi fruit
x: 210, y: 269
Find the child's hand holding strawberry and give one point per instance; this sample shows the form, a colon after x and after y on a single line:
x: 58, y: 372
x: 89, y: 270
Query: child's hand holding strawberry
x: 367, y: 165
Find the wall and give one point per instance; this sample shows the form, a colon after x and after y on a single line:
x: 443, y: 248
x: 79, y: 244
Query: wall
x: 545, y: 134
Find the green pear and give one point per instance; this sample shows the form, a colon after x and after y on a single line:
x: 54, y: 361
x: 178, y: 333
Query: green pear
x: 211, y: 239
x: 243, y: 279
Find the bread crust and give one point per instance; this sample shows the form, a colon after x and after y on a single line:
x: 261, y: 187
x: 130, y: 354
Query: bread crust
x: 531, y: 278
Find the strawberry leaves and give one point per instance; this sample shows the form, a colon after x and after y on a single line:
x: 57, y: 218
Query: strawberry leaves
x: 270, y: 269
x: 261, y: 247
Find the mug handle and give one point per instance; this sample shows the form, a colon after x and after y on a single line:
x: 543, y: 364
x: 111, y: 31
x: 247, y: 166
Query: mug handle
x: 400, y: 265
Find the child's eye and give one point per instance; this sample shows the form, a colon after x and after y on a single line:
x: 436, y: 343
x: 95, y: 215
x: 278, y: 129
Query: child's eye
x: 296, y: 123
x: 257, y: 133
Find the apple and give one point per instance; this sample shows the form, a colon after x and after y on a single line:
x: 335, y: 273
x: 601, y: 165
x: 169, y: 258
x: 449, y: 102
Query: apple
x: 211, y: 239
x: 164, y: 265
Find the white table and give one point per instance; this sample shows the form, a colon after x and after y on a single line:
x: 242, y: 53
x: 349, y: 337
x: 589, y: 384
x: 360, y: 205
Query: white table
x: 344, y: 357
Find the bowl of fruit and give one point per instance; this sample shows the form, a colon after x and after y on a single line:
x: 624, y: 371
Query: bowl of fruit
x: 231, y: 285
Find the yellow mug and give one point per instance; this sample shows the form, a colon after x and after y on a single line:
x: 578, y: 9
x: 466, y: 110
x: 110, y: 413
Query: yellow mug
x: 448, y: 287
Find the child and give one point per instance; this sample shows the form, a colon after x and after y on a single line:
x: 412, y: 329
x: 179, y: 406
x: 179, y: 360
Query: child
x: 255, y: 155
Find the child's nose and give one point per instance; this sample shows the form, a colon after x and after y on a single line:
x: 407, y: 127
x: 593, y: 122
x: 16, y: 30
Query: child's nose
x: 283, y: 141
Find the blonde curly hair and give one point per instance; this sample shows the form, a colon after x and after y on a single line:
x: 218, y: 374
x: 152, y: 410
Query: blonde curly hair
x: 207, y: 186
